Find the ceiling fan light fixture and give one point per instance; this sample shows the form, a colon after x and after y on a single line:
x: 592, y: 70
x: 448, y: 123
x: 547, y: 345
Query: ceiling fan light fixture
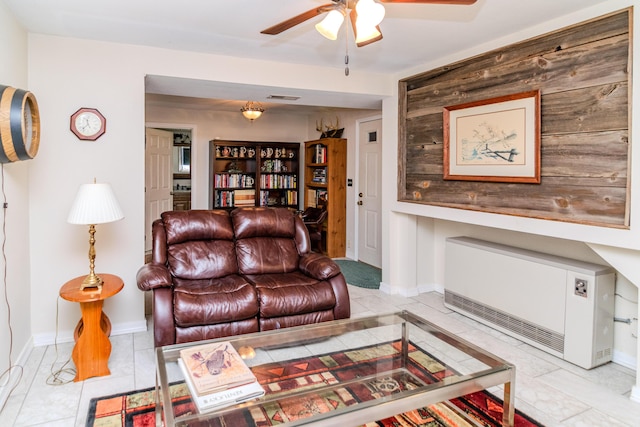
x: 331, y: 24
x: 366, y: 33
x: 252, y: 110
x: 369, y: 13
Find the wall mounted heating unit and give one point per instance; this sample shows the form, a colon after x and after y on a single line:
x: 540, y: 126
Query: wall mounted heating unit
x: 560, y: 305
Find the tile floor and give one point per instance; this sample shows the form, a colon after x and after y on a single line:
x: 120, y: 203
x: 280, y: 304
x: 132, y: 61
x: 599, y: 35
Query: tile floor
x: 550, y: 390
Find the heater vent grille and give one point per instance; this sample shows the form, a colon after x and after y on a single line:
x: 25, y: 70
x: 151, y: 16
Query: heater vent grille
x: 542, y: 336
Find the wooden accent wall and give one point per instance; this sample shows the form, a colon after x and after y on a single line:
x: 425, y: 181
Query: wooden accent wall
x: 583, y: 73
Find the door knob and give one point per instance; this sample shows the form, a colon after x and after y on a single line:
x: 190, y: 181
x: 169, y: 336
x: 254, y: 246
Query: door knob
x: 359, y: 202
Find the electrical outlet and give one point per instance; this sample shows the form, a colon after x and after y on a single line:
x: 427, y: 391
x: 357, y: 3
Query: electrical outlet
x: 348, y: 244
x: 580, y: 287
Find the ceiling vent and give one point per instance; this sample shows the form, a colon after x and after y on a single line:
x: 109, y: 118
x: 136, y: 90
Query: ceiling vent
x: 283, y: 97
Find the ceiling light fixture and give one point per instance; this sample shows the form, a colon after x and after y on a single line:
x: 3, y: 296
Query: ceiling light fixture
x: 365, y: 18
x: 331, y: 24
x: 252, y: 110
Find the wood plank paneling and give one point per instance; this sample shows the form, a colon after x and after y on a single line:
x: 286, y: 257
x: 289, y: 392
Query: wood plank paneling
x: 582, y: 73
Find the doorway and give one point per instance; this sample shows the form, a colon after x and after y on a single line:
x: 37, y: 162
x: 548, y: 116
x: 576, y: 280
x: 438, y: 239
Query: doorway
x: 158, y: 178
x: 369, y: 200
x: 167, y: 174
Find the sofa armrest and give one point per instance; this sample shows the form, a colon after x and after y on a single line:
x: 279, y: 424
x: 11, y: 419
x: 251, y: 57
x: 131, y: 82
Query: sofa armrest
x: 152, y: 276
x: 318, y: 266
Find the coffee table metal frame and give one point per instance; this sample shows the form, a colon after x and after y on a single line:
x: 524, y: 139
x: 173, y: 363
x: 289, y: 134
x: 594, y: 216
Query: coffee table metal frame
x: 494, y: 372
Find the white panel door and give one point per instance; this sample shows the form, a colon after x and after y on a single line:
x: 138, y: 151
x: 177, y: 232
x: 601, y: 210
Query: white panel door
x: 158, y: 178
x: 368, y: 197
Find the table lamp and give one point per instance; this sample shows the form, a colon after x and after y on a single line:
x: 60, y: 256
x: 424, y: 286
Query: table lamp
x: 94, y: 204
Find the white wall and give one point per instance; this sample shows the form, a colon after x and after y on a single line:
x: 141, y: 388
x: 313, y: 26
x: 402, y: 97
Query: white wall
x: 110, y: 77
x: 14, y: 180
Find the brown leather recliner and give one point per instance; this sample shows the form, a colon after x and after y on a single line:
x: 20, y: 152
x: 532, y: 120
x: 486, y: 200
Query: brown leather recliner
x: 215, y: 274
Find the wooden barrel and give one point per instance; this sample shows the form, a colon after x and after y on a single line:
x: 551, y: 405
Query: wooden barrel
x: 19, y: 125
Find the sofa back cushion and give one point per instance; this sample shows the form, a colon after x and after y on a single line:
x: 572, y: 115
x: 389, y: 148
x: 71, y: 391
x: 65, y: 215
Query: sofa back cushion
x: 265, y: 240
x: 199, y: 244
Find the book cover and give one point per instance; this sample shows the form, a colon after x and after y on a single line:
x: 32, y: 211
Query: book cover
x: 215, y: 367
x: 224, y: 398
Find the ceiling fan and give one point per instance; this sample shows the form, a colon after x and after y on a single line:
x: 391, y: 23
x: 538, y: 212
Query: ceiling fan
x: 365, y: 16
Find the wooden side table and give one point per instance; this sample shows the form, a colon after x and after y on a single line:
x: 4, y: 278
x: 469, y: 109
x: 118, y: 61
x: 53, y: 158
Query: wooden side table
x: 92, y: 349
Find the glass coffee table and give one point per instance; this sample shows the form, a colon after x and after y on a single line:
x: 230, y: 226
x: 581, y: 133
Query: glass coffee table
x: 346, y: 372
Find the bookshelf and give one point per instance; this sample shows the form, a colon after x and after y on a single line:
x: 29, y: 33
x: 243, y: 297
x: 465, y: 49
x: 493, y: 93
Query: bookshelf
x: 246, y: 173
x: 326, y: 184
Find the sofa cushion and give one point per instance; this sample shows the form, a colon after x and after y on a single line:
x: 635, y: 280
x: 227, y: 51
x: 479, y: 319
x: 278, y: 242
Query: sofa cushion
x: 186, y: 226
x: 199, y: 244
x: 202, y: 259
x: 263, y: 222
x: 292, y: 293
x: 265, y: 240
x: 212, y: 301
x: 260, y: 255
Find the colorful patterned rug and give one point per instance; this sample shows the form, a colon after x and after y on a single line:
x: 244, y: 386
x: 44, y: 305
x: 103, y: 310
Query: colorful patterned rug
x: 137, y: 408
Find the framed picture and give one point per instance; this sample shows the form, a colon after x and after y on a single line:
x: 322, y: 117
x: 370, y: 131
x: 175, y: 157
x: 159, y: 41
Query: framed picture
x: 495, y: 140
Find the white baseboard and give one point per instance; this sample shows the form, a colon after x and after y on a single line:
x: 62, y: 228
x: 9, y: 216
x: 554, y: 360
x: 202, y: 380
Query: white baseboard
x: 388, y: 289
x: 49, y: 338
x: 14, y: 378
x: 423, y: 289
x: 624, y: 359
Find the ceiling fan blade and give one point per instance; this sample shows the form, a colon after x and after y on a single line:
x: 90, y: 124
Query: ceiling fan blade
x: 353, y: 16
x: 298, y: 19
x: 463, y: 2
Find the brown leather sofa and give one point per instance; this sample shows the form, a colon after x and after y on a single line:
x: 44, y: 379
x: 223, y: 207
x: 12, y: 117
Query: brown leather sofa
x: 215, y: 274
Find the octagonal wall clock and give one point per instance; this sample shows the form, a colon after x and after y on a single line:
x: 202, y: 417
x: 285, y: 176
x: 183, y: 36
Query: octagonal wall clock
x: 88, y: 124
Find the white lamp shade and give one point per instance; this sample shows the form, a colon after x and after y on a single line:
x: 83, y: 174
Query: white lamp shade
x: 330, y: 25
x: 366, y: 33
x: 370, y: 13
x: 95, y: 204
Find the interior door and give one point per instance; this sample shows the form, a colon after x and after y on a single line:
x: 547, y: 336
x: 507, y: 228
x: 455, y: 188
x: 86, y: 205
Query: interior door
x: 158, y: 178
x: 369, y: 197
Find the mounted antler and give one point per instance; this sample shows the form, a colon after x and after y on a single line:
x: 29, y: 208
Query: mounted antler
x: 330, y: 130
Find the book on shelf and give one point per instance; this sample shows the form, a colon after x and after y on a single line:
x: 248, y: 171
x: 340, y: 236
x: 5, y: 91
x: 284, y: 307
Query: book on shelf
x: 224, y: 398
x: 245, y: 197
x: 215, y: 367
x: 319, y: 175
x: 316, y: 198
x: 321, y: 198
x: 320, y: 155
x: 311, y: 198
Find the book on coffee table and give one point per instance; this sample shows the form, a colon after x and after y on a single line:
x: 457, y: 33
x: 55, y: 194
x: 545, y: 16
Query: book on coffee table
x: 215, y: 367
x: 224, y: 398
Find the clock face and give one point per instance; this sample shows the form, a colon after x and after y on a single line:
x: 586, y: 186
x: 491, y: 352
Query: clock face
x: 88, y: 124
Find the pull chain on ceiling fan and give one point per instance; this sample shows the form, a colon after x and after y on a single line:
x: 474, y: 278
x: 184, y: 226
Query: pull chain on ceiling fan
x: 365, y: 17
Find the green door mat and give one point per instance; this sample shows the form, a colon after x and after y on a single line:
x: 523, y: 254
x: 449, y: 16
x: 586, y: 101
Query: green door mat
x: 360, y: 274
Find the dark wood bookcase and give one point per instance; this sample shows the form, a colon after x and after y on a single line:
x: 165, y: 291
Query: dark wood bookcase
x: 246, y: 173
